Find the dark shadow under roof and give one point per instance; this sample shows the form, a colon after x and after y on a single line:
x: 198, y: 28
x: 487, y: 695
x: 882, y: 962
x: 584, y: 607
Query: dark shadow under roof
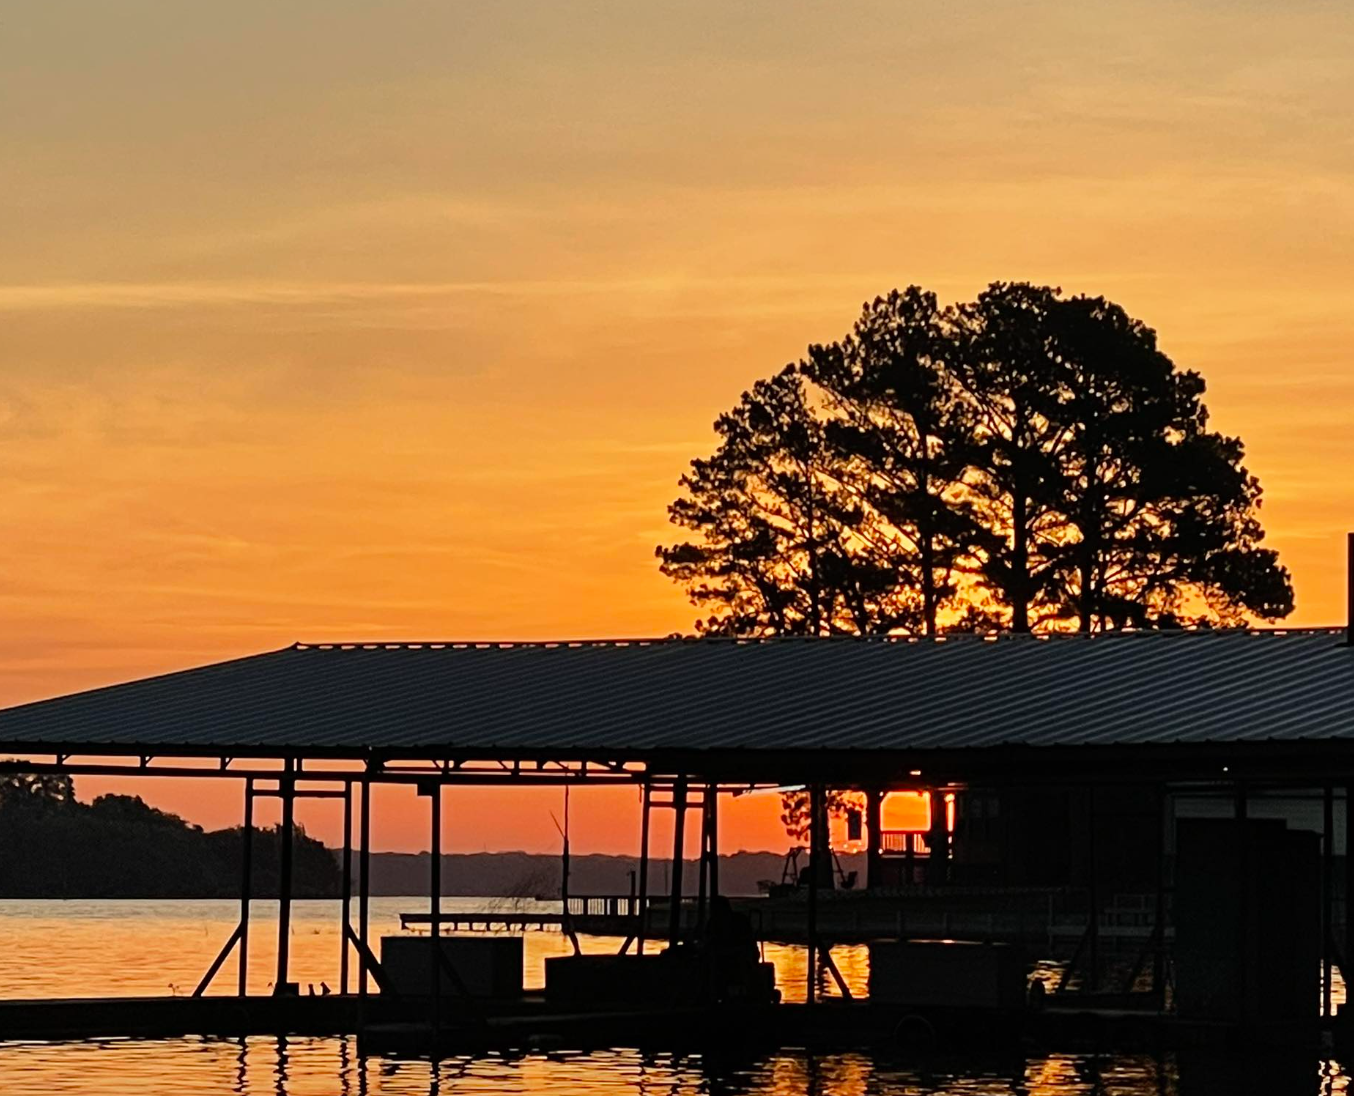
x: 632, y: 698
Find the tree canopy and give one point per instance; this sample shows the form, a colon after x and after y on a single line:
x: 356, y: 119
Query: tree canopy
x: 1024, y: 461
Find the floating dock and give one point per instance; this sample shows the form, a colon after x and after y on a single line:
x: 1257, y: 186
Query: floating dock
x: 168, y: 1017
x: 401, y: 1027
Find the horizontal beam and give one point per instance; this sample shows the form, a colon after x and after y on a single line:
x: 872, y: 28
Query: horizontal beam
x: 549, y: 779
x: 1268, y: 763
x: 298, y: 793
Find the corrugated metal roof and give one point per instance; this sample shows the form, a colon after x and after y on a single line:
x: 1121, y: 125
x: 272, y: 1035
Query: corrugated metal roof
x: 628, y: 698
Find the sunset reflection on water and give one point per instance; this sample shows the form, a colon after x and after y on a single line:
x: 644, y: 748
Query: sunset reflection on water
x: 332, y: 1067
x: 78, y: 948
x: 93, y: 948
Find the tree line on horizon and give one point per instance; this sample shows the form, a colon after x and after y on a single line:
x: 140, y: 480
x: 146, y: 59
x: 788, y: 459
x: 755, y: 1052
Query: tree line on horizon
x: 118, y: 846
x: 1023, y: 461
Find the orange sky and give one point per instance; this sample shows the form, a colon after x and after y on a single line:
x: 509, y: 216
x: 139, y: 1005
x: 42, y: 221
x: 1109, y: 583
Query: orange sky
x: 344, y: 320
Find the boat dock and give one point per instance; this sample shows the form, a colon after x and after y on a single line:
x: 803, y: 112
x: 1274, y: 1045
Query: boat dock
x: 1222, y: 805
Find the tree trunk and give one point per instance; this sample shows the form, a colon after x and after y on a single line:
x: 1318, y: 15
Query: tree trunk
x: 1090, y: 530
x: 1086, y: 596
x: 928, y: 584
x: 927, y: 553
x: 1018, y: 587
x: 815, y: 588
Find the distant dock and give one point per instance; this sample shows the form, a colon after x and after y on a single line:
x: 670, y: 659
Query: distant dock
x: 1030, y: 916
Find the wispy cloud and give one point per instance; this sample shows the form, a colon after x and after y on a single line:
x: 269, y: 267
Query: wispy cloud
x: 187, y: 294
x: 193, y: 294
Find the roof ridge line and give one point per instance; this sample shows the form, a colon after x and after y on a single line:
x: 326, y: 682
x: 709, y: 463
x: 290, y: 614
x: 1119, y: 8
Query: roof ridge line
x: 684, y: 640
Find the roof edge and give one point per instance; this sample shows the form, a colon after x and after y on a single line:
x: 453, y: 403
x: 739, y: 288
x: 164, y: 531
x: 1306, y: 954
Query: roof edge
x: 737, y: 641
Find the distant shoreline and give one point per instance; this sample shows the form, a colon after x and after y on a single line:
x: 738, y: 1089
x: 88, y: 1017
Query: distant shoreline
x: 494, y: 877
x: 529, y: 875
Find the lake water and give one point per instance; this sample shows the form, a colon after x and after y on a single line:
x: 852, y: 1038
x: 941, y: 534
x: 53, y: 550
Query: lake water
x: 101, y: 948
x: 78, y: 948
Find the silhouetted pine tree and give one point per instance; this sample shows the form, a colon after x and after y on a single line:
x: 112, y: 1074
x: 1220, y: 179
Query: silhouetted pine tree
x: 1021, y: 461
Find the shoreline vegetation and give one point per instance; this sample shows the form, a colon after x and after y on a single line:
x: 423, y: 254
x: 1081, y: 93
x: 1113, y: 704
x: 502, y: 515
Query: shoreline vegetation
x: 118, y: 846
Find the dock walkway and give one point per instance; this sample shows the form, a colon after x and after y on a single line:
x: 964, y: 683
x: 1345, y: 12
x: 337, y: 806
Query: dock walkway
x: 487, y: 921
x: 1032, y: 917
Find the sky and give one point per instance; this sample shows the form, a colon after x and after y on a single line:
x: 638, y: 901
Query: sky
x: 338, y: 320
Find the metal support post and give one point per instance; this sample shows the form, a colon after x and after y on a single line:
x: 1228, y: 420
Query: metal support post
x: 678, y: 844
x: 364, y: 887
x: 703, y: 863
x: 246, y: 883
x: 347, y: 884
x: 643, y: 896
x: 287, y: 790
x: 816, y: 852
x: 1348, y: 956
x: 1327, y: 895
x: 874, y: 815
x: 713, y: 792
x: 1246, y: 952
x: 1092, y: 893
x: 434, y: 793
x: 1159, y: 943
x: 938, y: 841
